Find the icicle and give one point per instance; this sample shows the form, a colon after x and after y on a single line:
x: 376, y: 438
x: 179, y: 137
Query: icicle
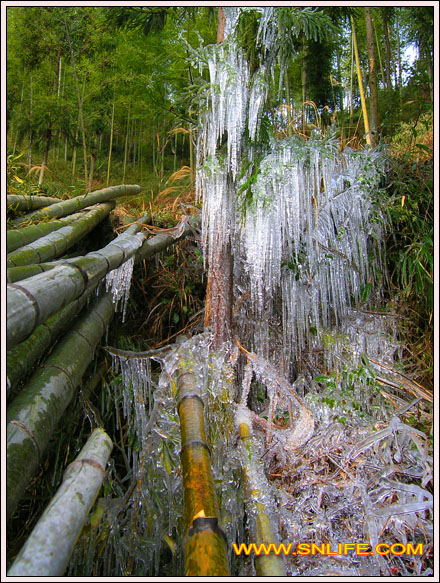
x: 119, y: 280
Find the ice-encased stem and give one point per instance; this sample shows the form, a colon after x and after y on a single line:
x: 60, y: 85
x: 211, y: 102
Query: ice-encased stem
x: 256, y: 488
x: 47, y: 551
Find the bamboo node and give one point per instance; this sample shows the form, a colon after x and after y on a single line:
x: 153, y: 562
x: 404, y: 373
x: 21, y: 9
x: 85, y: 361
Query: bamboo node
x: 86, y: 461
x: 207, y: 523
x: 28, y: 431
x: 195, y: 443
x: 190, y: 396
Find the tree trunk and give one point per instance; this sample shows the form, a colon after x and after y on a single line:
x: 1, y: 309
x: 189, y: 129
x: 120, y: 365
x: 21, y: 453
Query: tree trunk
x: 30, y: 121
x: 126, y: 148
x: 221, y: 25
x: 361, y: 87
x: 218, y: 305
x: 399, y: 56
x: 374, y: 109
x: 45, y: 155
x: 304, y: 86
x: 91, y: 170
x: 386, y: 29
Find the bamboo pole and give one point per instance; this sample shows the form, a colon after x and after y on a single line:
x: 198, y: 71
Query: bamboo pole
x: 21, y: 360
x: 56, y: 243
x: 270, y: 565
x: 49, y: 547
x: 36, y: 411
x: 72, y: 205
x: 33, y: 300
x: 361, y: 86
x: 16, y: 238
x: 110, y: 148
x: 205, y: 542
x: 20, y: 202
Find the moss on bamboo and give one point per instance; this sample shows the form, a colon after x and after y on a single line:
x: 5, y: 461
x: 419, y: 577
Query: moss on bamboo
x: 55, y: 243
x: 36, y: 411
x: 16, y: 238
x: 20, y: 202
x: 22, y: 358
x: 48, y: 549
x: 72, y: 205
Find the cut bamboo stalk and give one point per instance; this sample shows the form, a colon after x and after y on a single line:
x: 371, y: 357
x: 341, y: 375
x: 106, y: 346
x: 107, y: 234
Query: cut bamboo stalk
x: 14, y: 274
x: 56, y: 243
x: 21, y: 360
x: 73, y: 205
x: 20, y: 202
x: 205, y: 542
x: 16, y: 238
x: 49, y: 547
x: 33, y: 300
x: 270, y: 565
x: 36, y: 411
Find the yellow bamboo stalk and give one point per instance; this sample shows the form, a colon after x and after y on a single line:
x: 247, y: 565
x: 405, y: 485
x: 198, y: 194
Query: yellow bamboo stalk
x: 205, y: 542
x: 361, y: 87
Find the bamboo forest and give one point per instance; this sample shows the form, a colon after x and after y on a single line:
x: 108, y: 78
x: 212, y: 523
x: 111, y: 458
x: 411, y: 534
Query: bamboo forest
x: 219, y: 262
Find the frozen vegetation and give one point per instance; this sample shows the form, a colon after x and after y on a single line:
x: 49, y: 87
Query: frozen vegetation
x: 331, y: 455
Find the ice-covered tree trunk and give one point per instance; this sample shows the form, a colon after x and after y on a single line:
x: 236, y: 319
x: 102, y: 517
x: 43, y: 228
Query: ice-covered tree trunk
x: 218, y: 305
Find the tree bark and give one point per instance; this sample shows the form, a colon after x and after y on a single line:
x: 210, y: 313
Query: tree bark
x: 374, y: 109
x: 221, y: 25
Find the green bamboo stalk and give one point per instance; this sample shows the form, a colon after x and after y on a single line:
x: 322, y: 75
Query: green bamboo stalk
x: 265, y: 565
x: 58, y: 242
x: 67, y: 207
x: 205, y: 542
x: 16, y: 238
x: 36, y: 411
x: 21, y: 360
x: 14, y: 274
x: 49, y: 547
x: 20, y: 202
x: 150, y: 247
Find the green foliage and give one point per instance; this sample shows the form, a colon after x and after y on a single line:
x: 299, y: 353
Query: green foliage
x: 410, y: 211
x: 13, y: 171
x: 352, y: 392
